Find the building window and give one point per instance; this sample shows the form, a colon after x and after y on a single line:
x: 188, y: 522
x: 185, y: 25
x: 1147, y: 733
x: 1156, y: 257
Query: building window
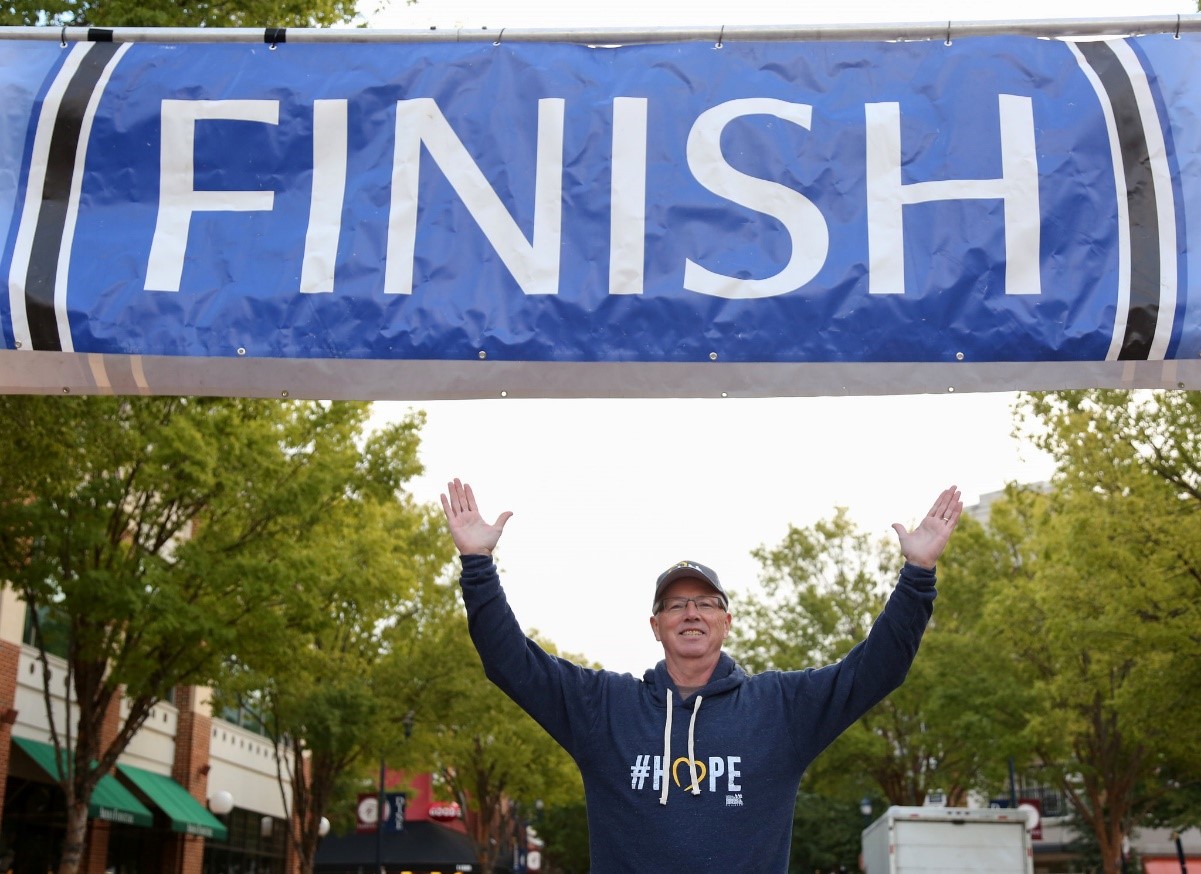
x: 252, y: 846
x: 245, y: 714
x: 55, y: 631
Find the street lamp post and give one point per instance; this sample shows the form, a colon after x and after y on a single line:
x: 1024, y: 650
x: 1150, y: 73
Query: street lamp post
x: 382, y: 801
x: 533, y: 856
x: 518, y: 840
x: 1180, y: 853
x: 379, y: 820
x: 865, y: 809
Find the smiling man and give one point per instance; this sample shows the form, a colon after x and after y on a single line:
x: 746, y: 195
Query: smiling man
x: 690, y: 619
x: 696, y: 766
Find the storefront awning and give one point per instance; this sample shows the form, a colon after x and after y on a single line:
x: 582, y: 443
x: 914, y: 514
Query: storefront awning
x: 187, y: 815
x: 110, y: 800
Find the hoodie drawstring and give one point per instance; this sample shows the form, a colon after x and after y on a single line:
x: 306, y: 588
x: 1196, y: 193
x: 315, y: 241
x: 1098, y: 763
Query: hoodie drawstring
x: 696, y: 782
x: 666, y: 750
x: 667, y: 764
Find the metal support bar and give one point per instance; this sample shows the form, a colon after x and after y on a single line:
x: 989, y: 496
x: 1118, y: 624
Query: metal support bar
x: 940, y: 30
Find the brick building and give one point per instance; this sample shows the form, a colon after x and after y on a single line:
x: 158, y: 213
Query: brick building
x: 153, y: 815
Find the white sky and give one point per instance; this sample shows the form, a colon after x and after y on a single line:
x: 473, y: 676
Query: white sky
x: 687, y: 13
x: 608, y: 493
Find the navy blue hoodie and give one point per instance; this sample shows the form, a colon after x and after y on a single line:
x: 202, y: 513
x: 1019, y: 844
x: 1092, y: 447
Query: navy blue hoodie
x: 702, y: 784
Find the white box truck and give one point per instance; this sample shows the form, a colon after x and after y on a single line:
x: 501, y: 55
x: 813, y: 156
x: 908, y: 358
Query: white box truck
x: 926, y: 840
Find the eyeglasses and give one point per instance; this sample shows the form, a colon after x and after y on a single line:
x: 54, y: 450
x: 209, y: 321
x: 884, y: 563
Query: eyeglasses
x: 705, y: 604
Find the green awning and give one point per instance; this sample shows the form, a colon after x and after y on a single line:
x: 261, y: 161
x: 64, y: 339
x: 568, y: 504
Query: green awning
x: 187, y: 815
x: 110, y: 800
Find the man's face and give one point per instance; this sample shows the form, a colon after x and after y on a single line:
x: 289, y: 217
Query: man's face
x: 691, y: 633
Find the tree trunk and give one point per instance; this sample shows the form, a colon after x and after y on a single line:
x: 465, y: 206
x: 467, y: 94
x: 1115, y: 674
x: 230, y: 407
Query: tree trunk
x: 485, y: 827
x: 1111, y: 848
x: 74, y: 839
x: 308, y: 852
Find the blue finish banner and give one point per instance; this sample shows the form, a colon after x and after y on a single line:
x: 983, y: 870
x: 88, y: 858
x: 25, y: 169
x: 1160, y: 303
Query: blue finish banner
x: 417, y: 220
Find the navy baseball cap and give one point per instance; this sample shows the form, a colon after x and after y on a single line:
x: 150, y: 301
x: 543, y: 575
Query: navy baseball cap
x: 689, y: 570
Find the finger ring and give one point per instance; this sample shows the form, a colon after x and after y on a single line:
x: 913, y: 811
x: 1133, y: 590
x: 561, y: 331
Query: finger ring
x: 946, y: 518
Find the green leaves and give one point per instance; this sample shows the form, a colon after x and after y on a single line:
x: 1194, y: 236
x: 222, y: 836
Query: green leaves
x: 1103, y: 624
x: 821, y: 589
x: 160, y: 13
x: 260, y: 547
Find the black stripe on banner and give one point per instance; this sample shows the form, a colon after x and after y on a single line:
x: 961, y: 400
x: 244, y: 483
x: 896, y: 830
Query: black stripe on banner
x: 1140, y: 201
x: 56, y: 191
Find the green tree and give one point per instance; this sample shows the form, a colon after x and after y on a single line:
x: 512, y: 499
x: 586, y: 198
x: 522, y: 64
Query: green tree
x: 161, y: 534
x: 1103, y: 624
x: 1139, y: 455
x: 825, y: 835
x: 970, y: 696
x: 564, y: 827
x: 361, y: 586
x: 950, y: 726
x: 822, y: 588
x: 1072, y: 633
x: 167, y: 13
x: 495, y: 759
x: 406, y: 693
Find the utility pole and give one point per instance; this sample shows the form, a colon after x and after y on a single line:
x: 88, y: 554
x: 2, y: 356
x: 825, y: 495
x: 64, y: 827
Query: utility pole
x: 379, y: 820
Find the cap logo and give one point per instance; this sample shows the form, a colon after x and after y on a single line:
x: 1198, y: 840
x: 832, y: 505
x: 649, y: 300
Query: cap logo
x: 694, y: 569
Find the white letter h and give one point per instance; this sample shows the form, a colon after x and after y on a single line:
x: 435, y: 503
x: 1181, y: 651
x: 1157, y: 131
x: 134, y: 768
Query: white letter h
x: 1017, y: 187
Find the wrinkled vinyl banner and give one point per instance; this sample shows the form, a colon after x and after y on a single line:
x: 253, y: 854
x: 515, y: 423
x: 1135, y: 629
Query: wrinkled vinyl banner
x: 532, y: 219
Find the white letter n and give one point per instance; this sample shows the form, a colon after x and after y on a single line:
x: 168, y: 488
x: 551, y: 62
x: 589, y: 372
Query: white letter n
x: 1017, y: 187
x: 534, y: 264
